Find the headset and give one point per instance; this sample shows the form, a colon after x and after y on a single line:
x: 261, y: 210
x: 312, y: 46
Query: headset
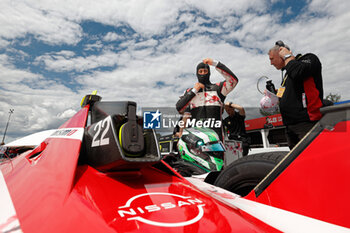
x: 131, y: 135
x: 281, y: 44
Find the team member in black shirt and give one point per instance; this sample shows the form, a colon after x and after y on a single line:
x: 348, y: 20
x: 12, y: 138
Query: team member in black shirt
x: 301, y: 91
x: 234, y: 125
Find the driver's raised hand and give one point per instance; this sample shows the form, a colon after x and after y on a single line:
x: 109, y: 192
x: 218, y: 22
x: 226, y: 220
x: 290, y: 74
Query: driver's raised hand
x: 198, y: 86
x: 208, y: 61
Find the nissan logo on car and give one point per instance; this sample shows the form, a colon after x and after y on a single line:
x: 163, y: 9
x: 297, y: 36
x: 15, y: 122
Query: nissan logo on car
x: 164, y: 203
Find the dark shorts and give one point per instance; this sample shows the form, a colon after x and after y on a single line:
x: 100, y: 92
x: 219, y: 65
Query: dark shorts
x: 296, y: 132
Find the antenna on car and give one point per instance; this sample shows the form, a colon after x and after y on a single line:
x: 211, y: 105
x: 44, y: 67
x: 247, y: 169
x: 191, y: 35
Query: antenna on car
x: 88, y: 99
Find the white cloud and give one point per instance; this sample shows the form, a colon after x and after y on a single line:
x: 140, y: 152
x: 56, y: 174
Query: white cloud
x: 227, y: 7
x: 334, y: 7
x: 59, y: 22
x: 67, y: 114
x: 147, y: 43
x: 37, y: 101
x: 65, y: 53
x: 95, y: 46
x: 3, y: 43
x: 20, y: 18
x: 9, y: 75
x: 137, y: 78
x: 289, y: 11
x: 61, y: 62
x: 112, y: 36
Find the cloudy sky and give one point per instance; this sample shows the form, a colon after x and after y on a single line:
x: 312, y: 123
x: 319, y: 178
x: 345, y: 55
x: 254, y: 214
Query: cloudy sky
x: 52, y: 53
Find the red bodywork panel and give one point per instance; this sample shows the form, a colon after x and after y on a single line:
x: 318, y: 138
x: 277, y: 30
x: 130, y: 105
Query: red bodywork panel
x: 316, y: 183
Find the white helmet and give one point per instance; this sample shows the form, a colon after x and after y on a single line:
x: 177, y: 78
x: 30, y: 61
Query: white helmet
x: 269, y: 103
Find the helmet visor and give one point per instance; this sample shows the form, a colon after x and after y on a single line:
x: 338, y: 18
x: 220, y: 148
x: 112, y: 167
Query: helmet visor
x: 213, y: 147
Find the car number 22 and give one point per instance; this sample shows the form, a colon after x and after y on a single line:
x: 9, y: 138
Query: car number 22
x: 99, y: 138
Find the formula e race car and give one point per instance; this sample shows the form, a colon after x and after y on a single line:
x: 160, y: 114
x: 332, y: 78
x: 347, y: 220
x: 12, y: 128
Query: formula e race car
x: 102, y: 172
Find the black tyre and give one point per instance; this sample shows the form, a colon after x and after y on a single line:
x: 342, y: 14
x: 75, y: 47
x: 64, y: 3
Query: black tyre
x: 244, y: 174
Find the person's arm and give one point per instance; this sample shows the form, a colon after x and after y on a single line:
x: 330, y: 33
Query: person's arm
x: 300, y: 68
x: 230, y: 78
x: 185, y: 100
x: 185, y: 117
x: 240, y: 109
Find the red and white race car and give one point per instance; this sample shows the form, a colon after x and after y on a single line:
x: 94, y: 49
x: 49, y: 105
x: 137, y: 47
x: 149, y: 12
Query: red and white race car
x: 101, y: 172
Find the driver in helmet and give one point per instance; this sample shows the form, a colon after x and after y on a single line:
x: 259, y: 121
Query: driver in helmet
x: 205, y: 100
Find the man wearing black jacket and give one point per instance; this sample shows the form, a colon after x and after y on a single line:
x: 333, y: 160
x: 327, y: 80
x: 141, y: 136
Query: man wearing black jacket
x: 301, y: 91
x: 204, y: 102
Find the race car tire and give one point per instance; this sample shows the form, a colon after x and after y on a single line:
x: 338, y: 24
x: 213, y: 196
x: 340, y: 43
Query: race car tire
x: 244, y: 174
